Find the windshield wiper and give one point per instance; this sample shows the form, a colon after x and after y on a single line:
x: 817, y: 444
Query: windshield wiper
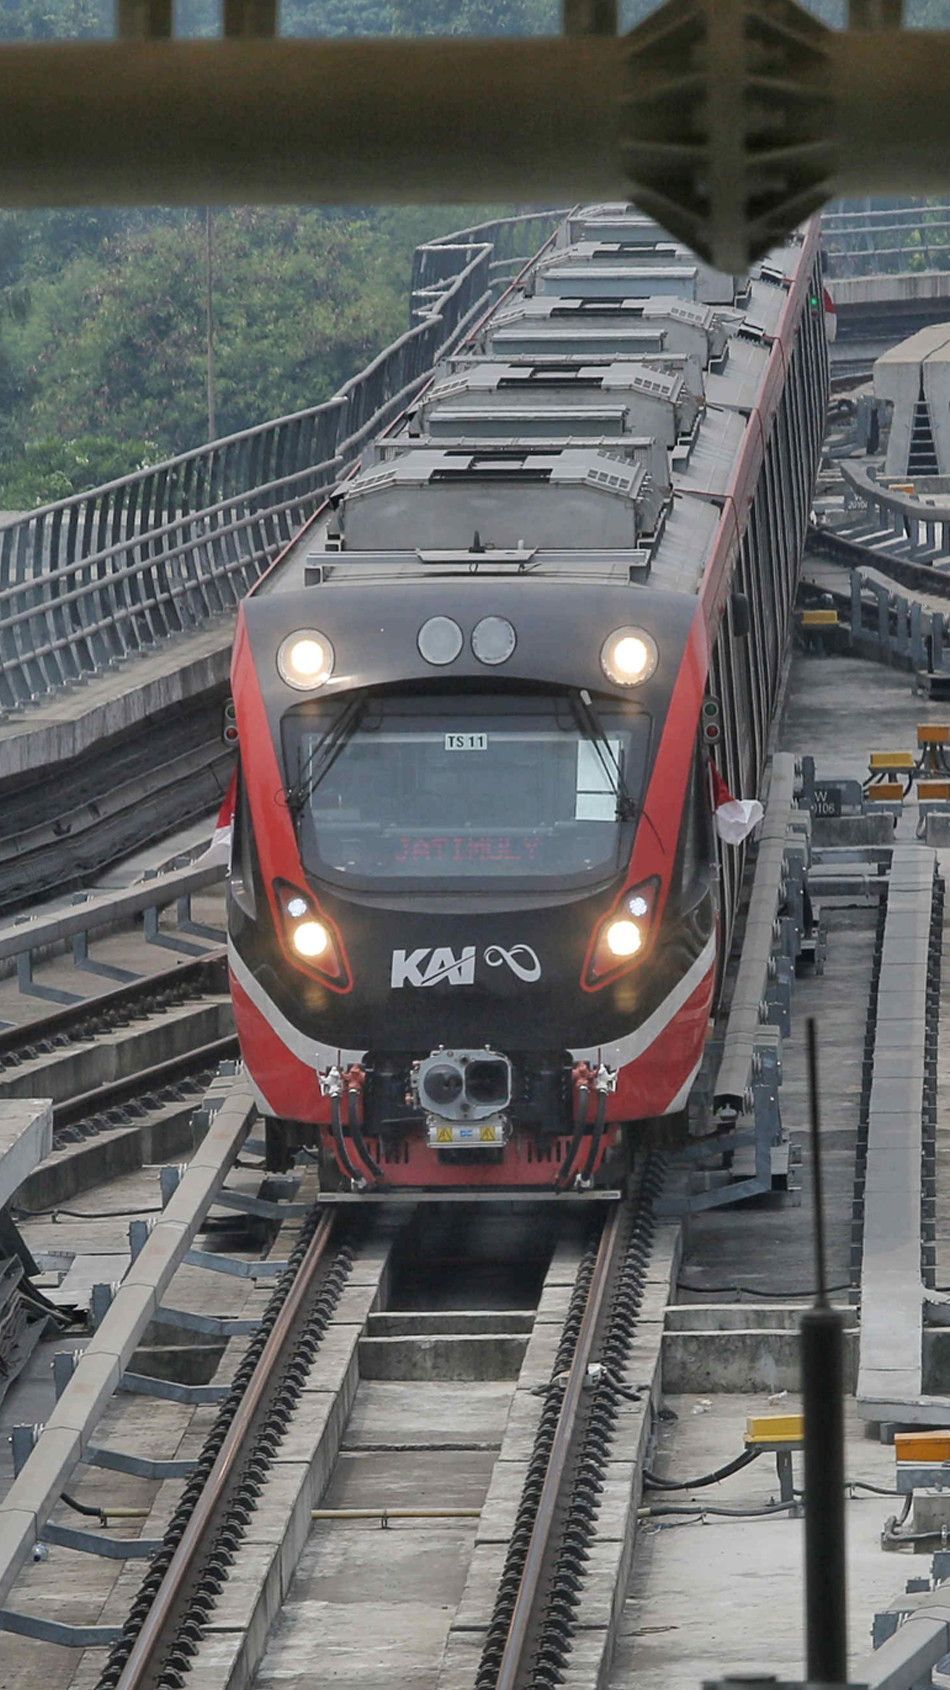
x: 324, y: 754
x: 612, y: 764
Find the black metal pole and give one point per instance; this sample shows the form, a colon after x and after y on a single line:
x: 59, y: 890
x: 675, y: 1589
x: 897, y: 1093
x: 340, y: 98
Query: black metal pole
x: 822, y: 1338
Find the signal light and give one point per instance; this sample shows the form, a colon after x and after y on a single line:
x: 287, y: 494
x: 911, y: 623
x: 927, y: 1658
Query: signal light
x: 712, y: 721
x: 229, y: 727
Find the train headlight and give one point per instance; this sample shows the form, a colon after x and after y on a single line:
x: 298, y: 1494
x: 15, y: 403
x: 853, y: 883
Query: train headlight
x: 310, y: 939
x: 629, y: 656
x: 622, y: 939
x: 305, y: 659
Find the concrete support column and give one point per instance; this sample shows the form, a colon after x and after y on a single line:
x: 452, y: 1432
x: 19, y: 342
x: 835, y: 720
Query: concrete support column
x: 143, y: 20
x: 589, y: 17
x: 875, y: 14
x: 250, y: 18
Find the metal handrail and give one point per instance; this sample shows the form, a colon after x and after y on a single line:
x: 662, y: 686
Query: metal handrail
x: 108, y: 909
x: 98, y: 577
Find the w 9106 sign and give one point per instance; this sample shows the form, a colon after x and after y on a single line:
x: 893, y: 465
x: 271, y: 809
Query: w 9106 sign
x: 836, y: 798
x: 826, y: 801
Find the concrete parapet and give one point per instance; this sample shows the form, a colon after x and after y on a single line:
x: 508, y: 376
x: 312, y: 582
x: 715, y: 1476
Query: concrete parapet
x: 26, y: 1136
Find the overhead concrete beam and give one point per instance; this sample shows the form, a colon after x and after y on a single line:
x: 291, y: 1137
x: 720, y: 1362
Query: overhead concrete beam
x: 728, y: 120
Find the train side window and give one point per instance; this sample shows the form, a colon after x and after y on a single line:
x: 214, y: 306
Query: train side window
x: 242, y: 853
x: 698, y: 845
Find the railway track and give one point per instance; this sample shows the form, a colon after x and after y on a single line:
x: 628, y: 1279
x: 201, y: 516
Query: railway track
x: 58, y: 834
x: 851, y: 555
x: 546, y: 1585
x: 590, y: 1431
x: 355, y: 1345
x: 62, y: 1028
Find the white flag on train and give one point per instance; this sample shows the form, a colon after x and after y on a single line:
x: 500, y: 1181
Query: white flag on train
x: 735, y: 817
x: 224, y: 826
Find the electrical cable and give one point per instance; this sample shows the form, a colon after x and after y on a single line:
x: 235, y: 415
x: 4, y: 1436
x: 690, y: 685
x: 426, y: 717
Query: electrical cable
x: 83, y: 1508
x: 652, y: 1482
x: 596, y: 1138
x: 343, y: 1156
x: 895, y: 1538
x: 580, y: 1127
x: 702, y: 1508
x: 752, y: 1290
x: 83, y: 1214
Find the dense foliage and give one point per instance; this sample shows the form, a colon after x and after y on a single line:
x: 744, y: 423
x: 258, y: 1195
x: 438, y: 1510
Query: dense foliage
x: 103, y: 350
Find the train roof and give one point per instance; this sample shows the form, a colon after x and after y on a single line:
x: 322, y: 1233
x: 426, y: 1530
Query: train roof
x: 683, y: 325
x: 590, y: 427
x: 661, y: 397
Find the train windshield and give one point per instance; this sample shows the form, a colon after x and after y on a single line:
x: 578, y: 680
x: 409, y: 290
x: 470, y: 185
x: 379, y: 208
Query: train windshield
x: 454, y: 790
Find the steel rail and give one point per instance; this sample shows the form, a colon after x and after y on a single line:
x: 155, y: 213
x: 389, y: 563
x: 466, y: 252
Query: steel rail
x: 130, y: 1086
x: 136, y: 1672
x: 516, y: 1643
x: 199, y: 977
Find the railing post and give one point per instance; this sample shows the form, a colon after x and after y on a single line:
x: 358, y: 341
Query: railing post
x: 143, y: 20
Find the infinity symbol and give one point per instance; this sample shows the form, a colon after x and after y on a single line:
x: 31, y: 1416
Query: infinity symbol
x: 528, y: 969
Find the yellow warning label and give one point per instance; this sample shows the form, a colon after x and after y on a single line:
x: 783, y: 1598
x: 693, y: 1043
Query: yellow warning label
x: 443, y: 1135
x: 488, y: 1135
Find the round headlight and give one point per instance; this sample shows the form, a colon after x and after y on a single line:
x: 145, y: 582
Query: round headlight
x: 305, y: 659
x: 440, y: 640
x: 310, y: 939
x: 493, y: 639
x: 623, y: 938
x: 629, y: 656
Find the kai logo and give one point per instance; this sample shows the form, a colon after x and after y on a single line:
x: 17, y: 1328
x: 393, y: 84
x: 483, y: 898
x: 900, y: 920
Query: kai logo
x: 427, y: 967
x: 440, y: 965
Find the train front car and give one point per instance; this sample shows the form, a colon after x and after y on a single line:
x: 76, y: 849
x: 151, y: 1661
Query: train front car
x: 470, y: 930
x: 476, y: 897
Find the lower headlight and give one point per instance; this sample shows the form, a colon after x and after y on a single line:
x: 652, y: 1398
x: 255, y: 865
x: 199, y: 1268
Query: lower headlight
x: 624, y: 938
x: 310, y: 939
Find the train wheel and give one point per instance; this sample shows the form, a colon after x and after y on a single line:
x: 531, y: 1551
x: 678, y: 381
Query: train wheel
x: 331, y: 1178
x: 617, y: 1165
x: 282, y: 1140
